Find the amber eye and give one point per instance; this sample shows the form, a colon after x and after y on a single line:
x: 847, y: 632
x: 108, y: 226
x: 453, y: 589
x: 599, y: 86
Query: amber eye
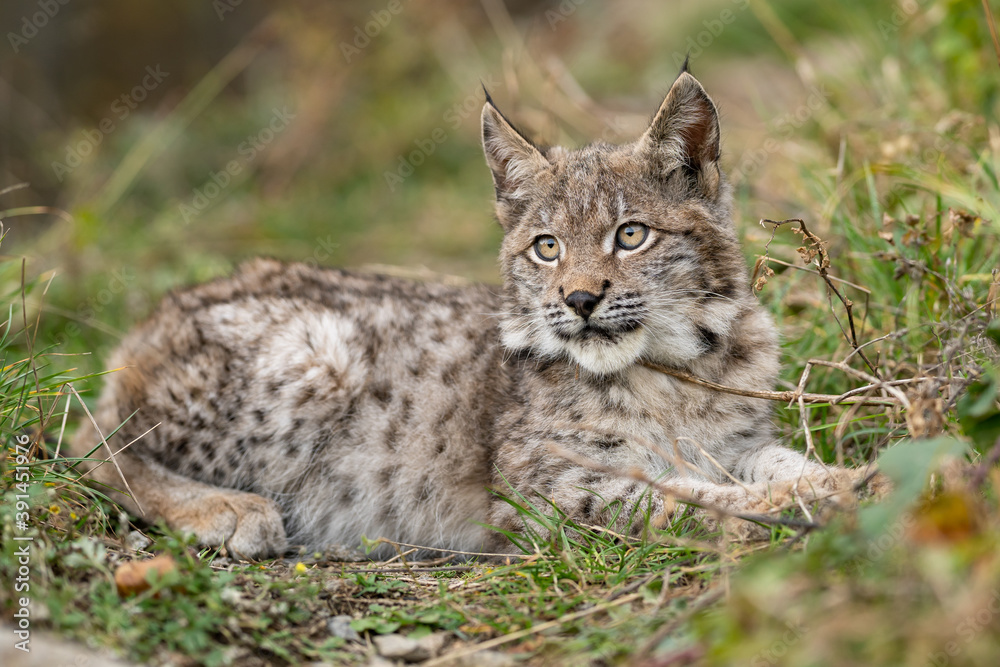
x: 631, y: 235
x: 547, y: 248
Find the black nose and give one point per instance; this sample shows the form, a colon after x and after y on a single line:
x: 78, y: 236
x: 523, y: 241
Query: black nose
x: 583, y: 302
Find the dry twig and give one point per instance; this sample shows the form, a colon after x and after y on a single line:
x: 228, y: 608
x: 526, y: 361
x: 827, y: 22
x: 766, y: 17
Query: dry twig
x: 815, y: 250
x: 783, y: 396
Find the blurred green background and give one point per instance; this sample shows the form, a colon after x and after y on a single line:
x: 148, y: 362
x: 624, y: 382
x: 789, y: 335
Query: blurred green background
x: 177, y: 138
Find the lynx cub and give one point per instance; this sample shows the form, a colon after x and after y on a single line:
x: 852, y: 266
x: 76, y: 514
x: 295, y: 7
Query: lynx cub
x: 310, y: 407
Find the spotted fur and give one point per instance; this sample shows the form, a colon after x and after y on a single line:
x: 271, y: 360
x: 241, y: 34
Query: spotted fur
x: 310, y: 406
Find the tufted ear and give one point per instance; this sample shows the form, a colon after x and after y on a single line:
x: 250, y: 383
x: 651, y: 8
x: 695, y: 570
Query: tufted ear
x: 511, y: 157
x: 685, y: 131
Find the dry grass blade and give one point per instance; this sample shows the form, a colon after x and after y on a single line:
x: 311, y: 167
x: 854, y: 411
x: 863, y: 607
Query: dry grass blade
x: 12, y: 188
x: 521, y: 634
x: 105, y: 443
x: 993, y: 28
x: 36, y: 210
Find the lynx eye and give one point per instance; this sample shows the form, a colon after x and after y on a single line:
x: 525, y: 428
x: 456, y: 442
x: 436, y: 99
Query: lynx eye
x: 631, y: 235
x: 547, y: 248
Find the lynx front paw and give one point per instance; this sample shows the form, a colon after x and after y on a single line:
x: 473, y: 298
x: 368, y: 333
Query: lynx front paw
x: 247, y: 524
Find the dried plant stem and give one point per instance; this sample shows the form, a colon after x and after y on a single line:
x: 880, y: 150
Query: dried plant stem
x: 104, y: 441
x: 783, y: 396
x: 822, y: 266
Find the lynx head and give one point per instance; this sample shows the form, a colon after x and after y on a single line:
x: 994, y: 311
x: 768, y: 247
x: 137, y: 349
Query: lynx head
x: 613, y: 254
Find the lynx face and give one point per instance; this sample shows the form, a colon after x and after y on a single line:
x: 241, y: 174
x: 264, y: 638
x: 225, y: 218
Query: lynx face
x: 614, y: 254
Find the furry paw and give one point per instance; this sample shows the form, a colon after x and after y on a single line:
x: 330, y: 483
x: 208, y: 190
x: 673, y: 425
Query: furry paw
x: 248, y: 525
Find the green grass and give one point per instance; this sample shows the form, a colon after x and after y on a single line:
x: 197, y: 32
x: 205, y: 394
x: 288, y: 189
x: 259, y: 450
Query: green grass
x: 897, y: 171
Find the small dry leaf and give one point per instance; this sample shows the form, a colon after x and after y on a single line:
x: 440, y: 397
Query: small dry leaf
x: 963, y: 221
x: 130, y: 578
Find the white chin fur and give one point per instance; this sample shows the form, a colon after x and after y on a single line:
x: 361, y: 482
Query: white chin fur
x: 603, y: 358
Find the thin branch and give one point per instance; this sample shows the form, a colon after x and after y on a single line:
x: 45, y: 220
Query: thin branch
x: 817, y: 250
x: 856, y: 286
x: 875, y: 381
x: 782, y: 396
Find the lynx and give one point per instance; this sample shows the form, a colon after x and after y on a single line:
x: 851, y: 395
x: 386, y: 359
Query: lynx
x: 302, y: 406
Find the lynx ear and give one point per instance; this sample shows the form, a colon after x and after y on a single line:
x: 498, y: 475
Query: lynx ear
x: 685, y: 130
x: 511, y: 157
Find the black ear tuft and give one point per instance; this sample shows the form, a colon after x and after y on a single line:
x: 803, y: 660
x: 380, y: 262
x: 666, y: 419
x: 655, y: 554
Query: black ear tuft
x: 489, y: 100
x: 684, y: 67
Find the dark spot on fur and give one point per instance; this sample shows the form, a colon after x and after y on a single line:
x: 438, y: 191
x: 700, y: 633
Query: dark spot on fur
x: 382, y: 392
x: 709, y: 338
x: 179, y: 447
x: 609, y: 442
x: 386, y: 474
x: 448, y: 414
x: 392, y: 435
x: 739, y: 351
x: 307, y: 393
x: 451, y: 373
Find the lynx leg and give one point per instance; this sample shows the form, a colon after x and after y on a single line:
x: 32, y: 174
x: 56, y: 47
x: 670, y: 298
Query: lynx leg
x: 247, y: 524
